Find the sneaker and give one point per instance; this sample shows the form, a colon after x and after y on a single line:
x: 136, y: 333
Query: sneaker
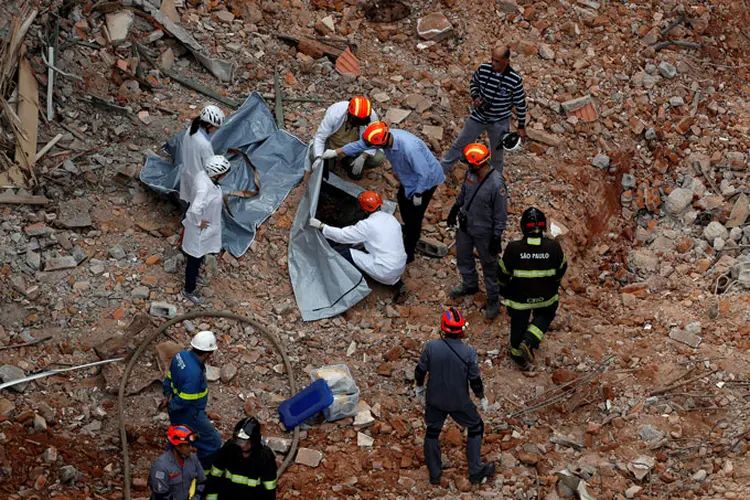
x: 192, y: 297
x: 493, y: 310
x: 401, y: 293
x: 487, y: 471
x: 435, y: 480
x: 201, y: 281
x: 463, y: 291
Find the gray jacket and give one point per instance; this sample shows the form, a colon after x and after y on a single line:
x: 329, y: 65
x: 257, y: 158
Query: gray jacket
x: 449, y: 373
x: 169, y: 481
x: 488, y: 211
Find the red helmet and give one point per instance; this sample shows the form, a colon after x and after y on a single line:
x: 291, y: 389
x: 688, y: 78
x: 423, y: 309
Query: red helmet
x: 360, y: 107
x: 452, y: 322
x: 370, y: 201
x: 376, y: 134
x: 179, y: 434
x: 476, y: 154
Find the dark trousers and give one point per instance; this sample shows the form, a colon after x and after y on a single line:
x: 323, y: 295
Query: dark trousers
x: 192, y: 268
x: 345, y: 251
x: 465, y: 244
x: 532, y: 333
x: 412, y: 217
x: 468, y: 417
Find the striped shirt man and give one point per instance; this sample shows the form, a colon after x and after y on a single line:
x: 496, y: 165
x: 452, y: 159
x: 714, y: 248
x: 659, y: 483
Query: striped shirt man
x: 499, y: 93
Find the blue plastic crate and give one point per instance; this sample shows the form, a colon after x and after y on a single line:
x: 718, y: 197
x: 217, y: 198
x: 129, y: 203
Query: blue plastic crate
x: 312, y: 399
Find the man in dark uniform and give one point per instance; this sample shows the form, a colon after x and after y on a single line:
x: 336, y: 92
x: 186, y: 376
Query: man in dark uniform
x: 453, y: 367
x: 530, y: 273
x: 243, y: 467
x: 480, y: 211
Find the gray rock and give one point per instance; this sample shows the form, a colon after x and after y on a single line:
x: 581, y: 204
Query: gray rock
x: 162, y: 310
x: 69, y: 474
x: 308, y: 457
x: 650, y: 134
x: 9, y: 373
x: 700, y: 476
x: 735, y: 234
x: 649, y: 81
x: 662, y: 244
x: 117, y: 252
x: 694, y: 328
x: 39, y: 423
x: 650, y: 433
x: 79, y: 254
x: 601, y: 161
x: 74, y: 213
x: 213, y: 373
x: 6, y: 407
x: 643, y: 261
x: 743, y: 279
x: 279, y: 445
x: 719, y: 244
x: 140, y: 292
x: 50, y: 455
x: 676, y: 101
x: 686, y: 338
x: 228, y: 372
x: 34, y: 260
x: 678, y: 200
x: 170, y: 266
x: 92, y: 429
x: 628, y: 181
x: 546, y: 52
x: 283, y: 308
x: 667, y: 70
x: 58, y: 263
x: 715, y: 230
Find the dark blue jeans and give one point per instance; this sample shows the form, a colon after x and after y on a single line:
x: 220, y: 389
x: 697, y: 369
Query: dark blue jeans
x: 209, y: 440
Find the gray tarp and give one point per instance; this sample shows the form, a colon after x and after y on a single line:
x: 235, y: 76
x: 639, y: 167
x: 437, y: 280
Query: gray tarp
x: 278, y: 156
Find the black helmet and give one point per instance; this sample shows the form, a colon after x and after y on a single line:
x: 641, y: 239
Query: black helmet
x: 247, y: 429
x: 511, y: 142
x: 533, y: 222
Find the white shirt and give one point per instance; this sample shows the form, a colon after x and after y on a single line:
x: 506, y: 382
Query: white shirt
x: 196, y: 150
x: 385, y: 259
x: 332, y: 121
x: 207, y: 206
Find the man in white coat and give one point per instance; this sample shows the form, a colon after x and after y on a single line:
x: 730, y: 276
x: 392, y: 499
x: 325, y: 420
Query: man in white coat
x: 384, y: 257
x: 202, y: 223
x: 343, y: 123
x: 196, y: 149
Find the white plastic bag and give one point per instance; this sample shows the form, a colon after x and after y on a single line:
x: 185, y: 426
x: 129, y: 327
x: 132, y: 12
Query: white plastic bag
x: 344, y: 388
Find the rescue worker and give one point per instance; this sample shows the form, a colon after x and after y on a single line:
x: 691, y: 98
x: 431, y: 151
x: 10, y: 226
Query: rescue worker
x: 383, y: 258
x: 202, y: 224
x: 480, y: 211
x: 177, y: 474
x: 186, y: 394
x: 495, y: 90
x: 530, y: 273
x: 196, y: 149
x: 415, y: 167
x: 453, y: 367
x: 244, y: 467
x: 343, y: 123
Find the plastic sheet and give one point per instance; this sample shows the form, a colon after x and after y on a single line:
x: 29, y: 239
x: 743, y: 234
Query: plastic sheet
x: 278, y: 156
x: 344, y: 389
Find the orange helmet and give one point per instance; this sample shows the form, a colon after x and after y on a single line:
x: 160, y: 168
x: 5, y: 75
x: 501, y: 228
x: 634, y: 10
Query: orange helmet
x: 360, y: 107
x: 179, y: 434
x: 452, y: 322
x: 476, y: 154
x: 376, y: 134
x: 370, y: 201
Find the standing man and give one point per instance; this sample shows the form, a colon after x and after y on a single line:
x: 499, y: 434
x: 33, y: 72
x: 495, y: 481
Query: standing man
x: 453, y: 367
x: 481, y: 211
x: 415, y: 167
x: 177, y: 474
x: 343, y: 123
x: 495, y: 89
x: 244, y: 467
x: 383, y: 258
x: 186, y: 394
x: 530, y: 273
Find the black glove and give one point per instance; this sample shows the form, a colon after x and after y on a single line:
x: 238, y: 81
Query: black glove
x: 453, y: 216
x: 496, y: 244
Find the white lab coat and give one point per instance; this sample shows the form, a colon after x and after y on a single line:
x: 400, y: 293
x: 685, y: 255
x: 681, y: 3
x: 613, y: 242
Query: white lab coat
x: 207, y: 206
x: 196, y: 150
x: 385, y: 259
x: 332, y: 121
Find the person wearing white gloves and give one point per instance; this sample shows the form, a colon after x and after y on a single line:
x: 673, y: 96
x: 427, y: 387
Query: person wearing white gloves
x: 384, y: 257
x: 202, y: 223
x: 344, y: 122
x: 196, y: 149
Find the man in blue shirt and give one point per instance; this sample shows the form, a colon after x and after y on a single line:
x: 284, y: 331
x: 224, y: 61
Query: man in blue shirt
x: 414, y: 165
x: 186, y: 394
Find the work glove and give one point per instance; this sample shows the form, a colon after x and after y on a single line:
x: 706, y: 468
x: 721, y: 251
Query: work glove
x: 496, y: 244
x: 419, y: 392
x: 358, y: 164
x: 485, y: 404
x: 317, y: 164
x: 315, y: 223
x: 453, y: 216
x: 417, y: 200
x: 329, y: 154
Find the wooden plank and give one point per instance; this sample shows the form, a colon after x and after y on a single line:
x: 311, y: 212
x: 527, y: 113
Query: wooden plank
x: 28, y: 114
x: 15, y: 199
x: 49, y: 146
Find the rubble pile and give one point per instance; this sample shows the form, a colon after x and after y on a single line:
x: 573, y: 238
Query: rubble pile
x: 638, y: 151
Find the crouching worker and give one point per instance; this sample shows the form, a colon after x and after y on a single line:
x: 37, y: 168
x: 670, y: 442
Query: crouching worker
x: 453, y: 367
x: 384, y: 257
x: 177, y: 474
x: 244, y: 467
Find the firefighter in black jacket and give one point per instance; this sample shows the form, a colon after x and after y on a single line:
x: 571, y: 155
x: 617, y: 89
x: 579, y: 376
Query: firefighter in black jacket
x: 243, y: 467
x: 529, y: 276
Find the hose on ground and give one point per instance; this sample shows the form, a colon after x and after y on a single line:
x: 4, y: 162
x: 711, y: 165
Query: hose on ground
x: 142, y: 347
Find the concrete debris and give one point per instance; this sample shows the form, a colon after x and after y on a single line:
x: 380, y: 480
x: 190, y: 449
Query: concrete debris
x: 685, y: 336
x: 715, y: 230
x: 74, y: 214
x: 573, y: 104
x: 9, y: 373
x: 601, y: 161
x: 650, y: 433
x: 213, y: 373
x: 434, y: 27
x: 162, y: 310
x: 308, y: 457
x: 678, y: 200
x: 543, y: 137
x: 69, y: 474
x: 279, y: 445
x: 667, y: 70
x: 740, y: 211
x: 641, y: 466
x: 364, y: 441
x: 228, y: 372
x: 119, y: 24
x: 396, y: 115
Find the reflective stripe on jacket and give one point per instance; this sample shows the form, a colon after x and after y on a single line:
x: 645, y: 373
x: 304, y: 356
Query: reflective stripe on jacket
x: 186, y: 382
x: 530, y: 271
x: 233, y: 476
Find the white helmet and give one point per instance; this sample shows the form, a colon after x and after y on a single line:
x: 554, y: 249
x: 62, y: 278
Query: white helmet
x: 217, y: 165
x: 213, y: 115
x: 204, y: 341
x: 511, y: 142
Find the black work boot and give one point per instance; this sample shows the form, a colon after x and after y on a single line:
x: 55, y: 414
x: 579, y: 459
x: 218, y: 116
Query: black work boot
x: 435, y: 480
x: 401, y: 293
x: 463, y: 291
x: 487, y: 471
x: 493, y: 310
x: 528, y: 352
